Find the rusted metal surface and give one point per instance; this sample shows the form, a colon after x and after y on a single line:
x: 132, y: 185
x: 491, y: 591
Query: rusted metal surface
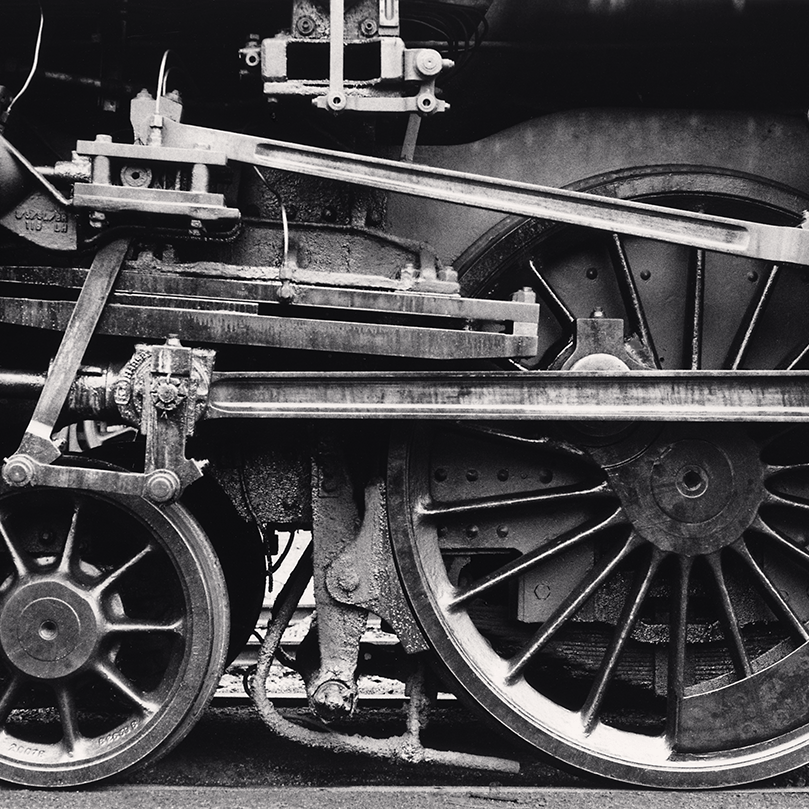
x: 406, y: 748
x: 331, y: 672
x: 364, y: 574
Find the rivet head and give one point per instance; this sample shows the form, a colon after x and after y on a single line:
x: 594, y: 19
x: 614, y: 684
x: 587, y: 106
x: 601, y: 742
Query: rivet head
x: 502, y: 475
x: 440, y: 474
x: 348, y: 580
x: 472, y: 531
x: 545, y: 476
x: 502, y: 531
x: 472, y: 475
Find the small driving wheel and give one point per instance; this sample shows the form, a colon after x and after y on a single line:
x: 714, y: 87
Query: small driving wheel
x: 630, y: 597
x: 113, y: 631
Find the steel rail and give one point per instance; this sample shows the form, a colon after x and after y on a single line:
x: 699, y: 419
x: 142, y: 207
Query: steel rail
x: 555, y: 395
x: 749, y: 239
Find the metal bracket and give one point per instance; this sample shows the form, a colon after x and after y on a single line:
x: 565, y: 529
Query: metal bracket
x: 364, y: 573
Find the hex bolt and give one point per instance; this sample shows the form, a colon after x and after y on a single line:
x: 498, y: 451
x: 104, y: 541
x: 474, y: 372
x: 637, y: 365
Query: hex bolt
x: 162, y: 486
x: 448, y: 274
x: 542, y: 591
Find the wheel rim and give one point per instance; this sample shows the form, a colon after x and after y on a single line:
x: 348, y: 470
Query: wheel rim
x: 113, y: 628
x: 630, y: 598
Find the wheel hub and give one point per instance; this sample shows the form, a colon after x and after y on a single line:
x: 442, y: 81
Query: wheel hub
x: 695, y: 490
x: 48, y: 629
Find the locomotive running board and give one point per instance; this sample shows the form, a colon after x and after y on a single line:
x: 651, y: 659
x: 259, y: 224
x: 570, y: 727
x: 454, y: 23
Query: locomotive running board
x: 724, y: 235
x: 552, y: 395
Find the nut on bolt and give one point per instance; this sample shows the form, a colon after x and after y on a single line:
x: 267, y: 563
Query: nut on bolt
x: 305, y: 26
x: 368, y: 27
x: 162, y: 486
x: 19, y: 470
x: 524, y: 295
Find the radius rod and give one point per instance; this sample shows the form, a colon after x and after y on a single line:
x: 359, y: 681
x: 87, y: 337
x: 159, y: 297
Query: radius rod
x: 750, y: 239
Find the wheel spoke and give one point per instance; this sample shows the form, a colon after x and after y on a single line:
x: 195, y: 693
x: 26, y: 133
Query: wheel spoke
x: 741, y: 343
x: 727, y: 617
x: 772, y: 499
x: 70, y: 543
x: 529, y: 560
x: 643, y: 580
x: 119, y: 683
x: 695, y: 299
x: 772, y: 470
x: 575, y: 600
x: 553, y: 446
x: 548, y: 294
x: 9, y: 699
x: 71, y: 736
x: 785, y: 542
x: 130, y: 627
x: 773, y: 596
x: 629, y: 293
x: 797, y: 360
x: 678, y: 628
x: 549, y: 497
x: 115, y: 576
x: 19, y: 559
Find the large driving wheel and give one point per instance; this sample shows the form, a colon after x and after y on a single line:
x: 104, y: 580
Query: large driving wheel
x: 628, y: 597
x: 113, y: 631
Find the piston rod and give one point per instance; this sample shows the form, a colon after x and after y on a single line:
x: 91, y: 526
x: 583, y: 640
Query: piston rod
x: 553, y: 395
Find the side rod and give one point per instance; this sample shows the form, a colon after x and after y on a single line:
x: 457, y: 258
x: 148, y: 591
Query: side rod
x: 750, y: 239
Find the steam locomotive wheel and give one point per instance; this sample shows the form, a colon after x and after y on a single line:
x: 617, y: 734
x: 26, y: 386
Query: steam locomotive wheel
x: 113, y: 631
x: 631, y: 598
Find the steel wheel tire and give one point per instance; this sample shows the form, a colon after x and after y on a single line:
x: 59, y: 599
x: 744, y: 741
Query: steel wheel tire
x: 629, y: 598
x: 113, y: 632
